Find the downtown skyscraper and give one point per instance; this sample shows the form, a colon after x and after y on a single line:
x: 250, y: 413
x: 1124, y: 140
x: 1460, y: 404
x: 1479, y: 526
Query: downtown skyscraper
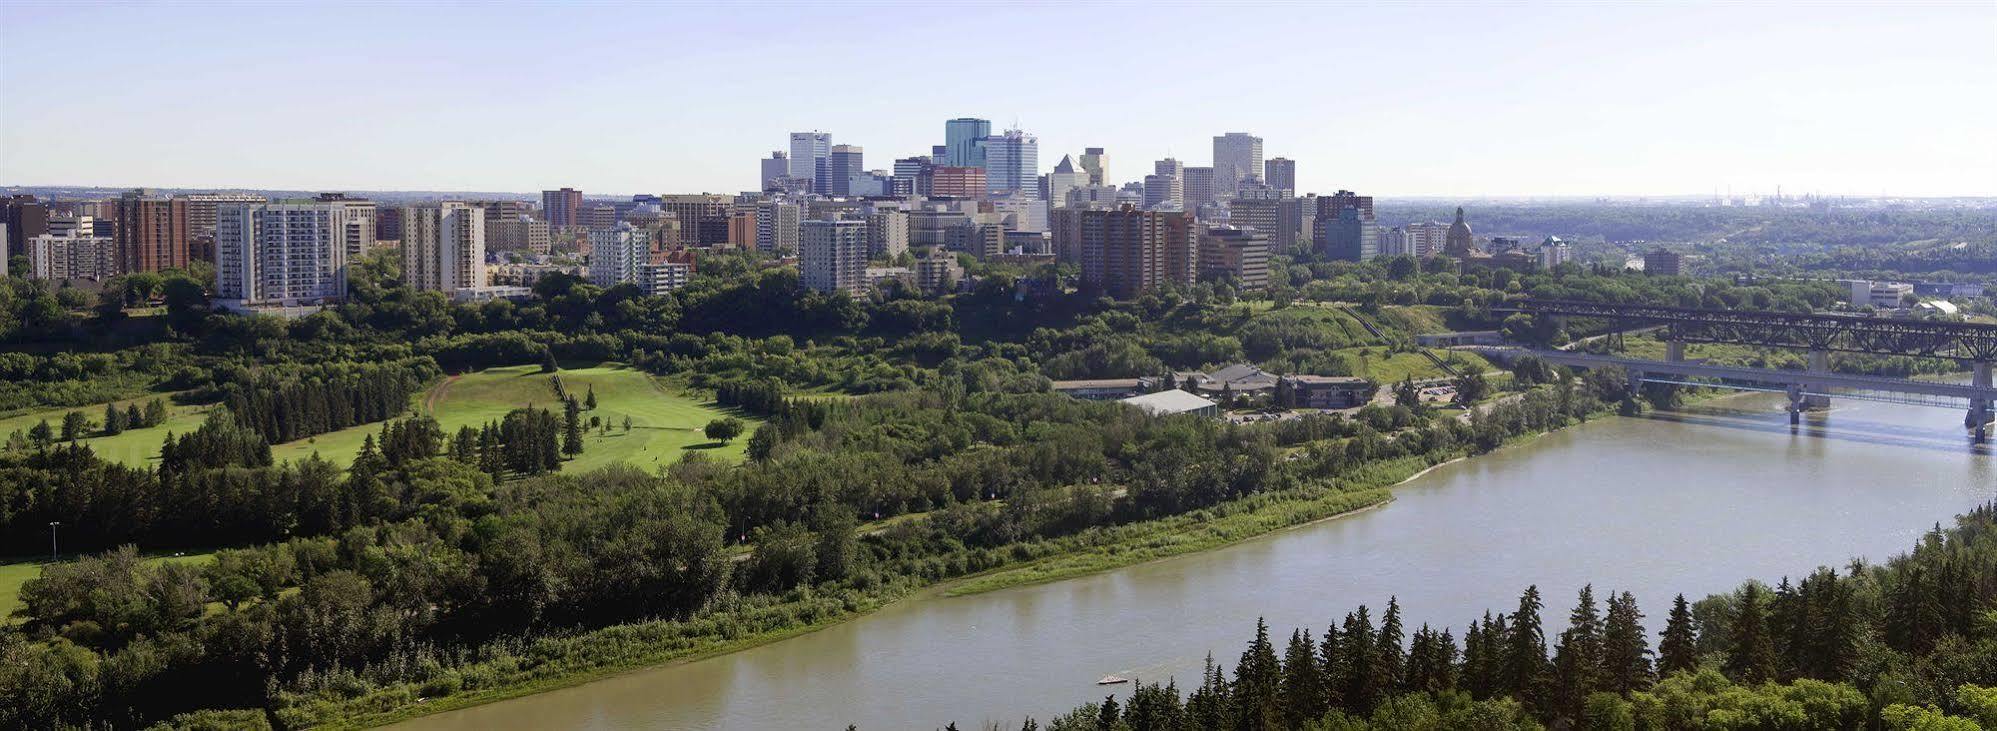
x: 963, y: 142
x: 1012, y: 163
x: 810, y: 155
x: 1237, y: 156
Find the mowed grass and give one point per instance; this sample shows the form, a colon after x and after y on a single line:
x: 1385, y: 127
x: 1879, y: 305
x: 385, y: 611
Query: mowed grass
x: 136, y: 447
x: 14, y: 573
x: 663, y: 425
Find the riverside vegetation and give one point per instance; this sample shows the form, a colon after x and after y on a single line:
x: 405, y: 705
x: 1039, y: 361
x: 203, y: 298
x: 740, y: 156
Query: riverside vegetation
x: 443, y: 569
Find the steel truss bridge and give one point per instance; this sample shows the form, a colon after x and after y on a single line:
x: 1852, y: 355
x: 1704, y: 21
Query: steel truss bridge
x: 1974, y: 345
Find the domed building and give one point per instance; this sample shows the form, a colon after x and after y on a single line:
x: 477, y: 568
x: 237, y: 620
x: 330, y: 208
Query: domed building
x: 1458, y: 241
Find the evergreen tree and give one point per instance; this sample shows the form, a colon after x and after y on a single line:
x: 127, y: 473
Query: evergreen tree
x: 1358, y: 689
x: 1209, y: 707
x: 114, y: 420
x: 1387, y: 649
x: 1625, y: 647
x: 589, y: 399
x: 155, y: 412
x: 1578, y: 658
x: 1110, y: 715
x: 1258, y: 684
x: 548, y: 364
x: 1303, y: 682
x: 1678, y: 648
x: 74, y: 426
x: 1751, y: 651
x: 1523, y: 664
x: 1331, y: 665
x: 571, y: 428
x: 134, y: 419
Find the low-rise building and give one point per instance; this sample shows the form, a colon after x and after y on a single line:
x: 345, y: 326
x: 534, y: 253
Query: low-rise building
x: 1324, y: 392
x: 1102, y: 389
x: 1171, y: 402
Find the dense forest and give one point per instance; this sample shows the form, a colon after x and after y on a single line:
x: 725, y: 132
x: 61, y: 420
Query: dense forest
x: 1910, y: 644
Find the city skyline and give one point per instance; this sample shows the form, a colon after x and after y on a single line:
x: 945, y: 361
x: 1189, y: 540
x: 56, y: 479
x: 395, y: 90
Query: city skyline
x: 1446, y: 102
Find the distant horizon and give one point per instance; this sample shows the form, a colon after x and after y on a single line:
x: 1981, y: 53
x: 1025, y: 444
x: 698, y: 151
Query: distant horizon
x: 1442, y: 100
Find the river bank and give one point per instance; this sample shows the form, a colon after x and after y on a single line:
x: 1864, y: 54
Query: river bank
x: 584, y: 660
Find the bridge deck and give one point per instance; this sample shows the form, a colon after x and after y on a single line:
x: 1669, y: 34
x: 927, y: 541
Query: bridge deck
x: 1764, y: 375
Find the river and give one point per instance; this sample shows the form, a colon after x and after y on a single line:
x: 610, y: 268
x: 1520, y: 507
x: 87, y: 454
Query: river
x: 1692, y: 502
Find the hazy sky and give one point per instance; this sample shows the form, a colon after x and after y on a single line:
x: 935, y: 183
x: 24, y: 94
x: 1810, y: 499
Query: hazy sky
x: 1458, y: 99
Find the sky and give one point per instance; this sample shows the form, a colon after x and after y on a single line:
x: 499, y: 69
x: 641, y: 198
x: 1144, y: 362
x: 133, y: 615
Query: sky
x: 1388, y: 99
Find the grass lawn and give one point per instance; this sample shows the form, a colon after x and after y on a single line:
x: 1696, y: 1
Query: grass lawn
x: 1380, y: 367
x: 14, y: 573
x: 663, y: 425
x: 134, y: 446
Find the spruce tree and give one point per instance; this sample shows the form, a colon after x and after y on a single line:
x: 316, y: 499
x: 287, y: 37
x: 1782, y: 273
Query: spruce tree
x: 1387, y: 649
x: 1625, y: 647
x: 1258, y: 684
x: 133, y: 418
x: 1678, y: 648
x: 1750, y: 649
x: 1361, y: 655
x: 114, y: 420
x: 1578, y: 658
x: 155, y: 412
x: 1303, y: 682
x: 1523, y: 665
x: 589, y: 399
x: 571, y: 428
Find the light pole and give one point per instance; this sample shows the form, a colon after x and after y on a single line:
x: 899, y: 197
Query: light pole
x: 52, y: 525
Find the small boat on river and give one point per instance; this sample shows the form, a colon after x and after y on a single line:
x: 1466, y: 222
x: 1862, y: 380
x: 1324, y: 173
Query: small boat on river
x: 1112, y: 680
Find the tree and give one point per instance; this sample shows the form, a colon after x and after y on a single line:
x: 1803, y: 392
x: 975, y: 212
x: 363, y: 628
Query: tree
x: 724, y: 430
x: 114, y: 420
x: 74, y: 426
x: 135, y: 419
x: 548, y: 364
x: 1678, y: 648
x: 1751, y: 648
x: 155, y: 412
x: 1522, y: 669
x: 1578, y: 658
x: 1471, y: 388
x: 627, y: 422
x: 1625, y: 647
x: 589, y: 399
x: 1303, y: 682
x: 571, y: 428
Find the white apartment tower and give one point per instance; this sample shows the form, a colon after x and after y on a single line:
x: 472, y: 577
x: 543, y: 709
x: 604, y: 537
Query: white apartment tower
x: 282, y: 254
x: 615, y: 254
x: 443, y: 247
x: 832, y: 255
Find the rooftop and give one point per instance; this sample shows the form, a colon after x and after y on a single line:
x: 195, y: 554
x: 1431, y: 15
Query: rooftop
x: 1168, y: 402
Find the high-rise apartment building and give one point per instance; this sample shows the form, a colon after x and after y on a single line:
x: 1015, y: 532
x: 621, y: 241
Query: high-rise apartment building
x: 561, y: 207
x: 777, y: 227
x: 777, y: 165
x: 1237, y: 156
x: 1345, y: 227
x: 443, y: 247
x: 809, y: 152
x: 521, y: 235
x: 1096, y: 162
x: 1240, y: 254
x: 280, y: 254
x: 1663, y: 263
x: 887, y: 232
x: 615, y: 254
x: 1262, y: 214
x: 152, y: 232
x: 74, y: 224
x: 1281, y: 173
x: 1012, y: 163
x: 847, y: 162
x: 1126, y: 252
x: 201, y: 211
x: 357, y: 234
x: 72, y: 256
x: 963, y: 142
x: 832, y: 255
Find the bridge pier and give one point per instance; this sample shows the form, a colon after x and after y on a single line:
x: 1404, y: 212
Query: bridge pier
x: 1979, y: 409
x: 1674, y: 351
x: 1795, y: 405
x: 1820, y: 362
